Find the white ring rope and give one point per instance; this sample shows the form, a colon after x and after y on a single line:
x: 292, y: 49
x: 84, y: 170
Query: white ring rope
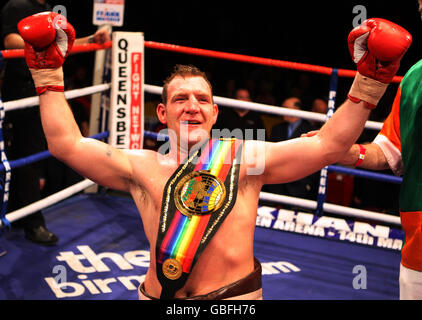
x: 227, y: 102
x: 331, y: 208
x: 308, y: 204
x: 303, y: 203
x: 70, y: 94
x: 48, y: 201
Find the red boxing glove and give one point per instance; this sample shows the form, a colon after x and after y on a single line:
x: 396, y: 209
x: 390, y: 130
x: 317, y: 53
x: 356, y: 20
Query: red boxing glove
x: 48, y: 40
x: 376, y: 47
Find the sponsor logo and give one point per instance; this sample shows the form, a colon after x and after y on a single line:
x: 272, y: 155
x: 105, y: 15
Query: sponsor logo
x: 329, y: 227
x: 87, y: 262
x: 77, y: 273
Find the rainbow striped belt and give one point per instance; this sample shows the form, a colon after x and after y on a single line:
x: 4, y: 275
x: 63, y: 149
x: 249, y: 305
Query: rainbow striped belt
x: 196, y: 200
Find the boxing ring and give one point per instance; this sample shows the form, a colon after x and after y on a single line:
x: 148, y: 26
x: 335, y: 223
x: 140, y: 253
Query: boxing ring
x: 325, y: 252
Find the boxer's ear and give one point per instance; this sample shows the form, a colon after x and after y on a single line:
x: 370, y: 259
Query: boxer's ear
x: 162, y: 113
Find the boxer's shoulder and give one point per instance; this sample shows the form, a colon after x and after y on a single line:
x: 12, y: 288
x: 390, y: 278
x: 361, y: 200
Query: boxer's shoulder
x: 136, y: 155
x: 150, y: 162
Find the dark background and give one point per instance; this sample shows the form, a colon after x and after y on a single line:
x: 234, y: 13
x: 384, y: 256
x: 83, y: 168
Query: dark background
x: 312, y: 32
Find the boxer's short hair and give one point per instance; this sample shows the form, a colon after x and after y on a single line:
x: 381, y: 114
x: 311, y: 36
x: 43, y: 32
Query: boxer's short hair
x: 183, y: 71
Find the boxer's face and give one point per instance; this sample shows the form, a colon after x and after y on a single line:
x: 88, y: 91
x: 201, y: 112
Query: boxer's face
x: 189, y: 111
x: 291, y: 103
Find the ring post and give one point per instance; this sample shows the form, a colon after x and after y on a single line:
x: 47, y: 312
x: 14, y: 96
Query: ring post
x: 126, y: 118
x: 323, y: 180
x: 7, y: 173
x: 100, y: 102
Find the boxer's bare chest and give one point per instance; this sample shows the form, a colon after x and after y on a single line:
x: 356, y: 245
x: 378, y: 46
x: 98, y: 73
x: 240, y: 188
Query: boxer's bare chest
x: 149, y: 187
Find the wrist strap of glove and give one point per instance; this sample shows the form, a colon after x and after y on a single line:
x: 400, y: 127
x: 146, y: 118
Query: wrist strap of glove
x: 48, y: 79
x: 362, y: 152
x: 366, y: 89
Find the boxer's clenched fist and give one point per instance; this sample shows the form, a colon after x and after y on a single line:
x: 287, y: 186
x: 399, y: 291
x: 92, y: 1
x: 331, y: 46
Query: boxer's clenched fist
x: 376, y: 47
x: 48, y: 40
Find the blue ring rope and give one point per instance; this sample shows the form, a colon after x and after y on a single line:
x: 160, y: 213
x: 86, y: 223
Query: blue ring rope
x: 43, y: 155
x: 163, y: 137
x: 157, y: 136
x: 335, y: 168
x: 366, y: 174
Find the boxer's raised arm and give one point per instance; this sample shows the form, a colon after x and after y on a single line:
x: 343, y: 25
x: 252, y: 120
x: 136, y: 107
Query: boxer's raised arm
x: 93, y: 159
x: 377, y: 47
x: 48, y: 40
x: 294, y: 159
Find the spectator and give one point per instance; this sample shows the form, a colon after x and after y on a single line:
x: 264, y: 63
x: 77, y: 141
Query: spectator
x: 291, y: 128
x: 265, y: 94
x: 319, y: 105
x: 235, y: 118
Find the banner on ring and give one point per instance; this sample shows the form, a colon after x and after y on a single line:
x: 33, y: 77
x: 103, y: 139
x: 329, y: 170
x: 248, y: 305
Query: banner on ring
x: 126, y: 120
x: 109, y: 12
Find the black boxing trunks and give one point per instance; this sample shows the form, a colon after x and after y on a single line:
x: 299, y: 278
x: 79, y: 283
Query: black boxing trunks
x: 247, y: 288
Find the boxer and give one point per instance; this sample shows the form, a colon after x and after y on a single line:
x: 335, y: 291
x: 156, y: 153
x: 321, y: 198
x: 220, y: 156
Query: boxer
x: 163, y: 186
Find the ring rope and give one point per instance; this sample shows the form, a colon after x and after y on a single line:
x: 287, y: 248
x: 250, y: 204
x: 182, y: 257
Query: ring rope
x: 48, y: 201
x: 334, y: 168
x: 307, y: 204
x: 221, y: 101
x: 43, y: 154
x: 283, y: 64
x: 331, y: 208
x: 12, y: 105
x: 19, y: 53
x: 34, y: 101
x: 162, y: 137
x: 70, y: 94
x: 264, y: 108
x: 366, y: 174
x: 254, y: 60
x: 226, y: 102
x: 7, y: 173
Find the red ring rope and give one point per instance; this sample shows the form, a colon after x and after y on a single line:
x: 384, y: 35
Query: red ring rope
x: 254, y: 60
x: 18, y: 53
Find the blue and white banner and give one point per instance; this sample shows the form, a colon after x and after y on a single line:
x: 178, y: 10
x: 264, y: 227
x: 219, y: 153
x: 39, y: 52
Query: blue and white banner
x: 109, y: 12
x: 329, y: 227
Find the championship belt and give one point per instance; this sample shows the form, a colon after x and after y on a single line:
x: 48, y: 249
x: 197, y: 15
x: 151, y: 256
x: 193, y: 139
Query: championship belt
x: 196, y: 200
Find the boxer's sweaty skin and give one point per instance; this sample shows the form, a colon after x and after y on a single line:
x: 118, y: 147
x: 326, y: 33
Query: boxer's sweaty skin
x: 144, y: 173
